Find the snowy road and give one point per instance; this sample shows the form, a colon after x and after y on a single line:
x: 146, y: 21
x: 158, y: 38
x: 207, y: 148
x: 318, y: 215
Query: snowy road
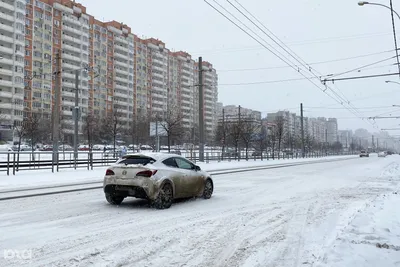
x: 278, y: 217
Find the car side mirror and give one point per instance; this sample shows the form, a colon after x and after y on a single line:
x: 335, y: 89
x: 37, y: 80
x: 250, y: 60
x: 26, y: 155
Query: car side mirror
x: 197, y: 168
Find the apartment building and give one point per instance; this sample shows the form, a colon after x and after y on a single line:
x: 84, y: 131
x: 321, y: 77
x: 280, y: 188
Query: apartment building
x: 157, y: 77
x: 231, y: 112
x: 182, y: 87
x: 332, y: 130
x: 117, y: 71
x: 12, y: 49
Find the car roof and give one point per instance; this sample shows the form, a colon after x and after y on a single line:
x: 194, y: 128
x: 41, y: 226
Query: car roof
x: 158, y: 156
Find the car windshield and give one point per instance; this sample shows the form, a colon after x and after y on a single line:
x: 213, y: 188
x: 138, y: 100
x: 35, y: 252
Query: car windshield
x: 136, y: 160
x: 362, y: 151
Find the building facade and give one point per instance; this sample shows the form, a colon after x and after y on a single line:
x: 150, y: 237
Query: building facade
x: 139, y: 78
x: 12, y: 52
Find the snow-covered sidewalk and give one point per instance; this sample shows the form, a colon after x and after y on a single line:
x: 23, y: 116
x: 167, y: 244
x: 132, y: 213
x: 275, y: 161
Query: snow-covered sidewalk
x: 372, y: 238
x: 37, y: 178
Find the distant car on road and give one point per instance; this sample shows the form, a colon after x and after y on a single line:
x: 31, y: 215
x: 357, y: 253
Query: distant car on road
x: 364, y: 153
x: 382, y: 154
x: 157, y: 177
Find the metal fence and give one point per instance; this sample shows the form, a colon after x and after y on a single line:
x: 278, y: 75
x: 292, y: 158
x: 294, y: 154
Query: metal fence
x: 13, y: 162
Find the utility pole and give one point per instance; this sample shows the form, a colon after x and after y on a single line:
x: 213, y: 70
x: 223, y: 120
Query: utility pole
x: 56, y: 109
x: 303, y: 152
x: 75, y: 113
x: 377, y: 144
x: 223, y: 133
x: 157, y: 138
x: 240, y: 127
x: 201, y: 111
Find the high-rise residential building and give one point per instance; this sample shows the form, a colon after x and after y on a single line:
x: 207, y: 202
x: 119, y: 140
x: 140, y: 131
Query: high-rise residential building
x: 12, y: 49
x: 332, y: 130
x: 182, y: 87
x: 157, y: 77
x: 117, y: 71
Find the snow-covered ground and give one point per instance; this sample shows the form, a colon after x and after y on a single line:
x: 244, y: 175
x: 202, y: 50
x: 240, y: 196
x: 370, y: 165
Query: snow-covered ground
x: 327, y: 214
x: 36, y: 178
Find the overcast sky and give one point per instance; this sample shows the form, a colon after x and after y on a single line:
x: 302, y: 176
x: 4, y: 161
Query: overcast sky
x: 317, y: 31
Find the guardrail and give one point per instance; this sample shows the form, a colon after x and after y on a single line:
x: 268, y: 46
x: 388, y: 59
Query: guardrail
x: 13, y: 162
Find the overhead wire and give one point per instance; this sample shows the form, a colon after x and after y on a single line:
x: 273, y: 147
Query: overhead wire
x: 342, y: 98
x: 339, y: 95
x: 359, y: 68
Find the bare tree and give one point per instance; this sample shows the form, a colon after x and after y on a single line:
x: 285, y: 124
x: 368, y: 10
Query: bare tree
x: 91, y: 129
x: 220, y: 137
x: 139, y: 130
x: 112, y: 126
x: 279, y: 130
x: 272, y: 140
x: 234, y: 133
x: 249, y: 128
x: 261, y: 143
x: 172, y: 124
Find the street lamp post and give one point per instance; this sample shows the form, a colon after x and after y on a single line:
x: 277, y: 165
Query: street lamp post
x: 392, y: 11
x: 363, y: 3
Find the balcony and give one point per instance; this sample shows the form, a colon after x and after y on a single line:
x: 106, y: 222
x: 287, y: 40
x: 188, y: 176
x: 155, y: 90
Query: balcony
x: 71, y: 48
x: 71, y: 39
x: 72, y: 20
x: 121, y: 64
x: 117, y: 94
x: 67, y: 94
x: 121, y: 48
x: 6, y: 39
x: 19, y: 107
x: 6, y: 72
x: 123, y: 72
x: 70, y: 66
x: 6, y: 94
x: 72, y: 30
x: 6, y: 50
x: 6, y: 105
x: 68, y: 85
x: 68, y: 103
x: 69, y: 75
x: 7, y: 6
x: 120, y: 56
x: 6, y: 16
x: 6, y: 83
x: 19, y: 96
x: 67, y: 112
x: 121, y: 87
x: 71, y: 57
x: 122, y: 80
x: 7, y: 28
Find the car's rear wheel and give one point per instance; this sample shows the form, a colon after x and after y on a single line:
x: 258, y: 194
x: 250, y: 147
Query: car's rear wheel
x: 164, y: 198
x: 113, y: 199
x: 208, y: 189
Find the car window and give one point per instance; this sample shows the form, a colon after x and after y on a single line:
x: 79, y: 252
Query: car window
x: 136, y: 160
x: 184, y: 164
x: 170, y: 163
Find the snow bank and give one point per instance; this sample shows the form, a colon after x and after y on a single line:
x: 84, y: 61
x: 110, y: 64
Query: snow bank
x: 34, y: 178
x: 372, y: 238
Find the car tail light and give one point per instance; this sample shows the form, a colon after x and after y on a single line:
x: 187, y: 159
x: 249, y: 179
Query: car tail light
x: 147, y: 173
x: 110, y: 172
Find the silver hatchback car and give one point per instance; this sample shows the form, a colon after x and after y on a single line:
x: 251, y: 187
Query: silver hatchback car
x: 157, y: 177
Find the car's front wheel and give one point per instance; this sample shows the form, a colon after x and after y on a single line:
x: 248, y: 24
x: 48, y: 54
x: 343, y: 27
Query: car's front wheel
x: 208, y: 189
x: 164, y: 198
x: 113, y: 199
